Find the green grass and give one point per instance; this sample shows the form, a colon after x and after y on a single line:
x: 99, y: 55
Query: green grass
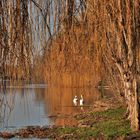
x: 108, y: 123
x: 112, y: 123
x: 66, y: 130
x: 77, y: 133
x: 113, y: 128
x: 114, y: 113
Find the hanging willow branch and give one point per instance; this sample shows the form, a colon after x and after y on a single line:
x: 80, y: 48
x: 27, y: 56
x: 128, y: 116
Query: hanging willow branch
x: 43, y: 15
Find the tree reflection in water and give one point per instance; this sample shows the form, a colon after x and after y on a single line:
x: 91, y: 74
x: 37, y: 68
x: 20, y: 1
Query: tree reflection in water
x: 20, y: 108
x: 24, y: 105
x: 59, y: 103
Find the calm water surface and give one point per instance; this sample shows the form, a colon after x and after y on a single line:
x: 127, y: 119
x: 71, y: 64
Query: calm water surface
x: 37, y: 104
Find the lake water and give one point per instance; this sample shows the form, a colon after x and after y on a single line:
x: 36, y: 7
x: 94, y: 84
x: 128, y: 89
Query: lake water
x: 37, y: 104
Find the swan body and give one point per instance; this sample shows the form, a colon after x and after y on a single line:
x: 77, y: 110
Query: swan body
x: 81, y: 101
x: 75, y: 101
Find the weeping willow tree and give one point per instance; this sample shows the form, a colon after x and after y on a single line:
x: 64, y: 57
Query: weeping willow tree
x: 117, y: 29
x: 123, y: 49
x: 80, y: 40
x: 102, y: 35
x: 15, y: 49
x: 27, y: 28
x: 70, y: 59
x: 24, y: 31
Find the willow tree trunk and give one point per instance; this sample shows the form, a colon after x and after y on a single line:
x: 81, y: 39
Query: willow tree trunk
x: 122, y: 37
x: 131, y: 96
x: 130, y: 86
x: 128, y: 59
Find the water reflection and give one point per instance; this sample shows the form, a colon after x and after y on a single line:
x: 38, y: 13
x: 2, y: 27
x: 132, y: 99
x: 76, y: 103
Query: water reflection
x: 22, y: 107
x: 59, y: 101
x: 41, y: 105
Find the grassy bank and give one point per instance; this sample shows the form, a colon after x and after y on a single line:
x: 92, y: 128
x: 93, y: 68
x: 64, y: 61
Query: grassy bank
x: 109, y: 124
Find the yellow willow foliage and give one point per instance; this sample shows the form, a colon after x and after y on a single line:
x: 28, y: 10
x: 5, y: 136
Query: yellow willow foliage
x: 100, y: 31
x: 75, y: 56
x: 72, y: 61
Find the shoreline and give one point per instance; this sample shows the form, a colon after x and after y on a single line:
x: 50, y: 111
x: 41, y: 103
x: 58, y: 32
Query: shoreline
x: 105, y: 120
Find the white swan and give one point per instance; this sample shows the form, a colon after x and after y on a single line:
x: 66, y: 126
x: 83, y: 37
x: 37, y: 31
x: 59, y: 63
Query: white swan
x: 81, y: 101
x: 75, y: 101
